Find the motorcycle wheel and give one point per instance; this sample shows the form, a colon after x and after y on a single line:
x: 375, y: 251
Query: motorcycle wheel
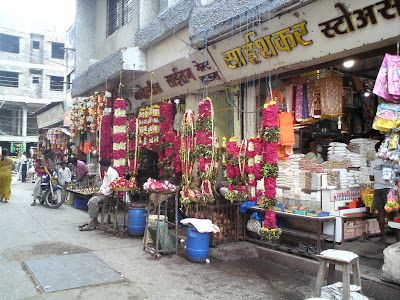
x: 55, y: 200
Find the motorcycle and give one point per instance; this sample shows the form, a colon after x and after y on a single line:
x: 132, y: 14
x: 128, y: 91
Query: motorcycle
x: 51, y: 193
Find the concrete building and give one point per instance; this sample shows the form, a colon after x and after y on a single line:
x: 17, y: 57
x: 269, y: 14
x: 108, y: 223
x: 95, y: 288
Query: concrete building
x: 32, y: 69
x: 245, y: 44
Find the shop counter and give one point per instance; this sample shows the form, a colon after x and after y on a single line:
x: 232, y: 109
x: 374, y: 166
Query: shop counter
x: 318, y: 235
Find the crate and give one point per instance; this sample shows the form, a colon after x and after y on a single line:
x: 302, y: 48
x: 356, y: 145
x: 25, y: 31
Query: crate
x: 225, y: 216
x: 81, y: 203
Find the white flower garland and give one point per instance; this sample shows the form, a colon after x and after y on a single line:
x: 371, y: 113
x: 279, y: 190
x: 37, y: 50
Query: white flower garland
x: 119, y: 146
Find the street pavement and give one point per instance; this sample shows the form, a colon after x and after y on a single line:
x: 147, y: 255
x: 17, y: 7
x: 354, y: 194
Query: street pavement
x: 29, y: 232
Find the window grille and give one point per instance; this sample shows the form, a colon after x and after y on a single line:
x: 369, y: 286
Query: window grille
x: 56, y: 83
x: 9, y: 43
x: 9, y: 79
x: 118, y: 15
x: 57, y: 50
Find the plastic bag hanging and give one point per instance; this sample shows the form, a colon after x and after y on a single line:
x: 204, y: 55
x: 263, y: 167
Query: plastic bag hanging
x: 391, y: 203
x: 387, y: 84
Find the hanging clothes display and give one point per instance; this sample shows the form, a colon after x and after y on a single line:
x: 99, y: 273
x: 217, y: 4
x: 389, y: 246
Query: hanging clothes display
x: 331, y: 96
x: 299, y: 103
x: 286, y: 137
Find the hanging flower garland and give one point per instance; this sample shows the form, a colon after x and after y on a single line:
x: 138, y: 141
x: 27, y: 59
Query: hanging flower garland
x: 206, y: 150
x: 106, y: 136
x: 119, y: 136
x: 186, y: 153
x: 166, y: 116
x: 232, y: 168
x: 177, y: 158
x: 270, y: 169
x: 144, y: 114
x: 166, y: 167
x: 133, y: 151
x: 154, y: 127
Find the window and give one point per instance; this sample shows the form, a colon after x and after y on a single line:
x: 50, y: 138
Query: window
x: 118, y: 15
x: 36, y: 71
x: 9, y: 43
x: 9, y: 79
x: 56, y: 83
x: 35, y: 44
x: 35, y: 79
x: 57, y: 50
x: 68, y: 82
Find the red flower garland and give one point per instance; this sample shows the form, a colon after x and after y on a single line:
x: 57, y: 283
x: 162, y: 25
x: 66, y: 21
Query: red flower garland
x: 106, y: 136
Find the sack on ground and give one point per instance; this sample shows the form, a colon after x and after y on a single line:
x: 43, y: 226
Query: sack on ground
x: 391, y: 264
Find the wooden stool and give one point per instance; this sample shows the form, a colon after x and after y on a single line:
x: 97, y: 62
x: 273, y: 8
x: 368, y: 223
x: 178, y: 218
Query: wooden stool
x: 111, y: 215
x: 346, y: 259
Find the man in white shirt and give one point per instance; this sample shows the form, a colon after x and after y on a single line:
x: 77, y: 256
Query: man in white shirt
x: 24, y: 166
x: 313, y: 154
x: 64, y: 174
x: 104, y: 193
x: 381, y: 189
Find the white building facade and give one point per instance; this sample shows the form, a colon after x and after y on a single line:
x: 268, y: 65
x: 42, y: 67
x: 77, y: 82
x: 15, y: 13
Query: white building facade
x: 32, y: 69
x: 243, y: 42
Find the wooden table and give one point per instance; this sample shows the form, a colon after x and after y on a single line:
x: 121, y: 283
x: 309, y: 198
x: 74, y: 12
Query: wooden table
x: 300, y: 233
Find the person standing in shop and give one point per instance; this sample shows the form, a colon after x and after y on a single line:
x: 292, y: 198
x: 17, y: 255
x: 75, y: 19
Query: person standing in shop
x: 381, y: 190
x: 313, y: 154
x: 24, y: 166
x: 81, y: 169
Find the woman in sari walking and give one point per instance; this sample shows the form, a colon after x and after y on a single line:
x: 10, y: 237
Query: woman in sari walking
x: 6, y: 167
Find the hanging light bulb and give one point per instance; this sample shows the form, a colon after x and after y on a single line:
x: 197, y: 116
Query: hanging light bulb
x: 348, y: 63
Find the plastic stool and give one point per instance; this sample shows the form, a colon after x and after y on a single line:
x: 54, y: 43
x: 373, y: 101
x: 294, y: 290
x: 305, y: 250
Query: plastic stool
x: 346, y: 259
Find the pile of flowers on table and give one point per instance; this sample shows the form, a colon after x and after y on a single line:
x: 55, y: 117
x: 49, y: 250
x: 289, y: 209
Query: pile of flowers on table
x: 121, y: 182
x: 154, y: 185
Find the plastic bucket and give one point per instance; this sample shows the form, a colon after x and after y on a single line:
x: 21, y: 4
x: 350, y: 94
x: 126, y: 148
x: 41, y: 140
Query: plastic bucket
x: 197, y: 245
x: 136, y: 221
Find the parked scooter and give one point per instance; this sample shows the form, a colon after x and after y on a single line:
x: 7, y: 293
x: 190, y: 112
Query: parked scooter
x: 51, y: 193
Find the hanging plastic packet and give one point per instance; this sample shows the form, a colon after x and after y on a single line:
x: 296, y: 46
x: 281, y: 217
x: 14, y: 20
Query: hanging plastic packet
x: 393, y: 141
x: 385, y: 117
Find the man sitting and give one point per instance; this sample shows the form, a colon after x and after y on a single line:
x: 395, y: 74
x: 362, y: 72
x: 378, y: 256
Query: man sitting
x: 104, y: 194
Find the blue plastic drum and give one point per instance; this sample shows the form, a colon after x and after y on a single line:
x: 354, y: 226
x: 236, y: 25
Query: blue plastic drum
x: 197, y: 245
x: 136, y: 221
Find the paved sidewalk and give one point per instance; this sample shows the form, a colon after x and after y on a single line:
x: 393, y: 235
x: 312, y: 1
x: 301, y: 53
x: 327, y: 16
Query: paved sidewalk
x: 242, y: 270
x: 38, y: 232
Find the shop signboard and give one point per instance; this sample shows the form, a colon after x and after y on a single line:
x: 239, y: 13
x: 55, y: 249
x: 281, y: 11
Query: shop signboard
x: 196, y: 72
x: 52, y: 116
x: 319, y: 32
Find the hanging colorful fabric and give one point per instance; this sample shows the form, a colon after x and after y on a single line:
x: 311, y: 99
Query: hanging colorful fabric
x: 305, y: 103
x: 299, y: 103
x: 331, y: 96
